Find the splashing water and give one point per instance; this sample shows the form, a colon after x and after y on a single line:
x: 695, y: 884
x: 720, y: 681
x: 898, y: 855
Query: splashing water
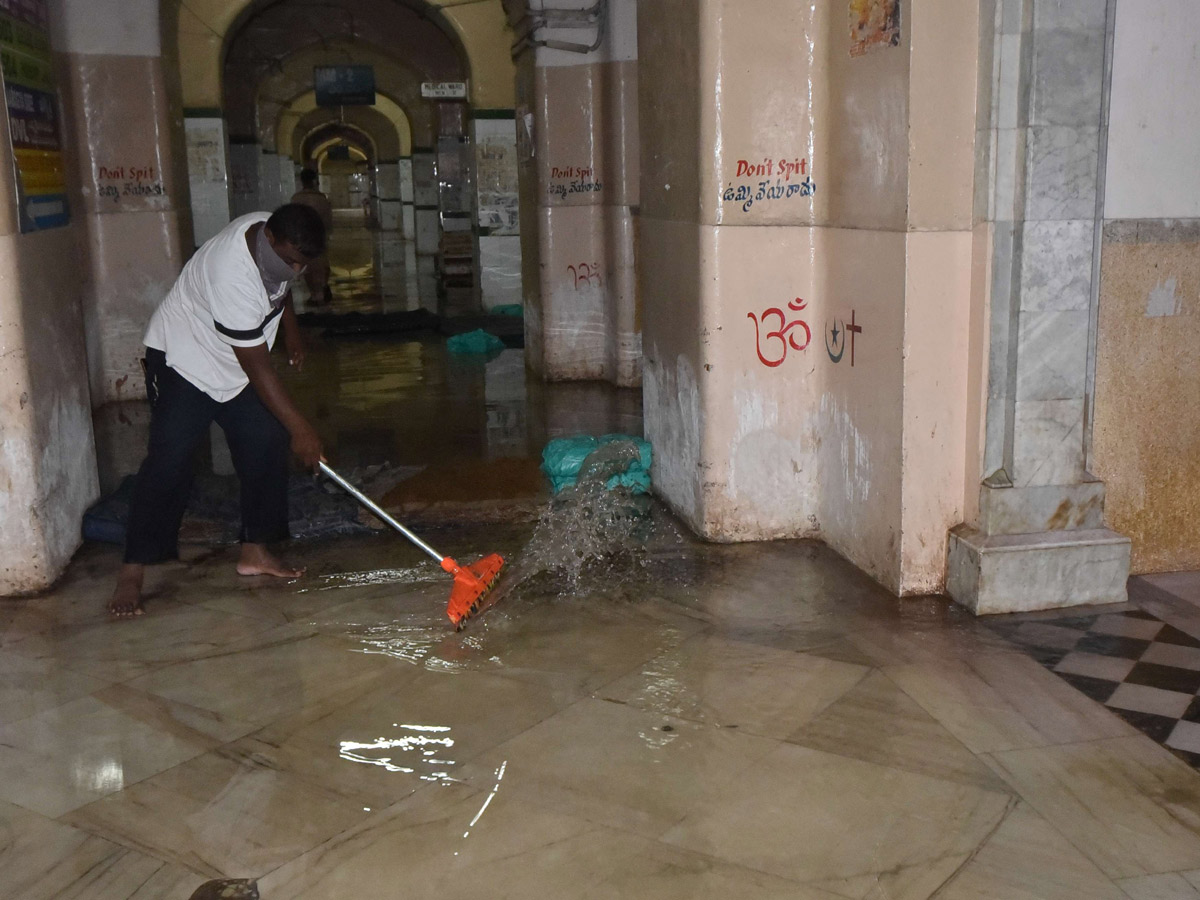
x: 587, y: 526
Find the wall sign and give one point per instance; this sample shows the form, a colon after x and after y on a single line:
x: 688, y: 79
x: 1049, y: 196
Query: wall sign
x: 767, y: 180
x: 444, y: 90
x: 31, y: 98
x: 344, y: 85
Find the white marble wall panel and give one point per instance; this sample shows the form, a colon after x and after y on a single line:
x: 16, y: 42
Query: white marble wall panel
x: 1056, y: 265
x: 387, y: 180
x: 1062, y: 171
x: 1067, y: 77
x: 428, y: 231
x: 1044, y: 132
x: 424, y: 173
x: 288, y: 179
x: 1014, y: 16
x: 1048, y: 442
x: 243, y: 178
x: 208, y: 176
x: 1052, y: 358
x: 500, y: 270
x: 1073, y: 14
x: 270, y: 191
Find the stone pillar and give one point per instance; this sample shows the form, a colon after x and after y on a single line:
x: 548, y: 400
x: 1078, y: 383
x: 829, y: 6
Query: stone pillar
x: 425, y: 201
x: 270, y: 190
x: 74, y: 298
x: 118, y: 103
x: 498, y: 199
x: 289, y: 178
x: 244, y: 180
x: 408, y: 222
x: 805, y: 238
x: 577, y: 131
x: 1038, y: 539
x: 391, y: 206
x: 208, y: 175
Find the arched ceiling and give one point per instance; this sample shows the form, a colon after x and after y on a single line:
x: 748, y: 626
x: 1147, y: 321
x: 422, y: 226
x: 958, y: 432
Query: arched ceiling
x: 393, y: 80
x: 288, y: 132
x: 475, y: 30
x: 317, y: 144
x: 382, y: 33
x: 363, y: 119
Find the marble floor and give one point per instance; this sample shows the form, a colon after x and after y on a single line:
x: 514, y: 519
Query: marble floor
x: 685, y: 721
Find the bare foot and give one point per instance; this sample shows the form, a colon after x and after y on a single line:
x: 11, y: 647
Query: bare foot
x: 126, y: 600
x: 255, y: 560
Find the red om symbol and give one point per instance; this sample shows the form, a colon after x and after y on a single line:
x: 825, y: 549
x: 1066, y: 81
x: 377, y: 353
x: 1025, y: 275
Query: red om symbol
x: 781, y: 334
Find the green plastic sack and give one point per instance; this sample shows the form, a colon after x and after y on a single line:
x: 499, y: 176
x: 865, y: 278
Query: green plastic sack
x: 478, y: 341
x: 508, y: 309
x: 563, y: 458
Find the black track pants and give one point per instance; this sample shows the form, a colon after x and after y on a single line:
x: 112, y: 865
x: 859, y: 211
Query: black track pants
x: 180, y: 418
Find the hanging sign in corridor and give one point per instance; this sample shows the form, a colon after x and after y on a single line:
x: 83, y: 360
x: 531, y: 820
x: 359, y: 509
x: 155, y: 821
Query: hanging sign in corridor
x: 31, y: 97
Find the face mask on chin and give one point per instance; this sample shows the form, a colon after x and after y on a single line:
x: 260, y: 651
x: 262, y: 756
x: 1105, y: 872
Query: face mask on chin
x: 276, y: 274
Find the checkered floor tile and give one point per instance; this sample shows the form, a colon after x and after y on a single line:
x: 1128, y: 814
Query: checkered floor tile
x: 1144, y: 670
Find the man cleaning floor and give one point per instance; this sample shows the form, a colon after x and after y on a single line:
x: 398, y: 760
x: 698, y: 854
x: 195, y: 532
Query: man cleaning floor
x: 208, y: 360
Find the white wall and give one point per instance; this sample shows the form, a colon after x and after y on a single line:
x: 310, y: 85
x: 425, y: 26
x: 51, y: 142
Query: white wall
x: 1154, y: 132
x: 118, y: 27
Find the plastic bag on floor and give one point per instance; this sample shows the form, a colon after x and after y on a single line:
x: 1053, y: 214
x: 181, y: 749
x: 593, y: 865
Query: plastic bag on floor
x: 564, y: 458
x: 478, y: 341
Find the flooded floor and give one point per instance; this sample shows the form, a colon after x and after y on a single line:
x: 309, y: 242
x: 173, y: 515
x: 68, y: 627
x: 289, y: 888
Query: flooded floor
x: 640, y: 715
x: 681, y: 721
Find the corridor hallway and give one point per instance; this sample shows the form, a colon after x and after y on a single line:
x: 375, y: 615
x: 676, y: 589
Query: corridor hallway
x: 372, y: 271
x: 903, y: 295
x: 686, y: 721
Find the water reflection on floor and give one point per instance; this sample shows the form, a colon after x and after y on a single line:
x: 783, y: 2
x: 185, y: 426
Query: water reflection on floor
x: 683, y: 721
x: 373, y: 272
x: 405, y: 400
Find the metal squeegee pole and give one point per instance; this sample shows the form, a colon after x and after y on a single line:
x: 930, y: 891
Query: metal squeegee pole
x: 375, y: 508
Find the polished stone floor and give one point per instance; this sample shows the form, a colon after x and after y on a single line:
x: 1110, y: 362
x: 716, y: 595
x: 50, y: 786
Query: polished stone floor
x: 688, y: 721
x: 680, y: 721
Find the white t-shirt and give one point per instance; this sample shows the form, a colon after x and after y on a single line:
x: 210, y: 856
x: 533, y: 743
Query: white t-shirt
x: 218, y: 303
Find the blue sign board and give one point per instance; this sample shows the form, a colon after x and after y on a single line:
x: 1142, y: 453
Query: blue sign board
x: 344, y: 85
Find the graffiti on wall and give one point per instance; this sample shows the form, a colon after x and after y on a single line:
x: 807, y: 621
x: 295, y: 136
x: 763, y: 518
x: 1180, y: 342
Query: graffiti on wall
x: 785, y: 336
x: 767, y: 180
x: 567, y: 180
x: 586, y: 275
x: 873, y: 23
x: 838, y: 334
x: 778, y: 332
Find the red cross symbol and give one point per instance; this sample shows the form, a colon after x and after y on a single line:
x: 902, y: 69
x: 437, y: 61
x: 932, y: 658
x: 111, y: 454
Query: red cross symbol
x: 853, y: 329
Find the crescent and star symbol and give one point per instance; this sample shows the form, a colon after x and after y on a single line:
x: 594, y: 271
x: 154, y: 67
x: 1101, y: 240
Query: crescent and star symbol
x: 835, y: 332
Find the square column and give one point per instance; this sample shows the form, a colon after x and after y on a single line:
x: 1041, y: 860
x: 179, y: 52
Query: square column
x: 1038, y: 540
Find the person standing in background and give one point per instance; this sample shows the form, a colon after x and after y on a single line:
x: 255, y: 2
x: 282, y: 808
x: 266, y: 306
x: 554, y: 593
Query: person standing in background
x: 317, y: 274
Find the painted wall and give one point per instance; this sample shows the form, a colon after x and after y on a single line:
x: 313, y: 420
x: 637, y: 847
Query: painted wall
x: 47, y: 453
x: 1153, y: 154
x: 806, y: 285
x: 577, y: 139
x: 1146, y: 437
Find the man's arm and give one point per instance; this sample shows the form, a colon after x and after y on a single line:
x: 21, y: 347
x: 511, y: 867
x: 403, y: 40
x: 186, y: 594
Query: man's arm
x: 256, y: 363
x: 292, y: 341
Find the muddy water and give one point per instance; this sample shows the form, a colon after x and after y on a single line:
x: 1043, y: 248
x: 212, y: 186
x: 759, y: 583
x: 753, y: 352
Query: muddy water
x: 590, y: 545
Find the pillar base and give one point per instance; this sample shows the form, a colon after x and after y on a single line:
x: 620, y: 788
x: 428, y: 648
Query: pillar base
x: 1008, y: 573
